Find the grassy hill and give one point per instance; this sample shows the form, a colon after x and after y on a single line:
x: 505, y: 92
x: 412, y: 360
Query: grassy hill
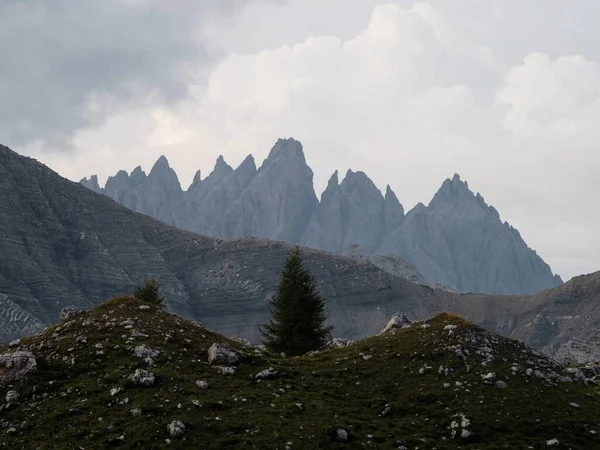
x: 421, y: 387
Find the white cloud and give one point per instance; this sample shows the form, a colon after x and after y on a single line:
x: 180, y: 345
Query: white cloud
x: 410, y: 99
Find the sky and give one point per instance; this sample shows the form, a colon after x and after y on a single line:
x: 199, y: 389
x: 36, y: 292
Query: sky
x: 507, y: 94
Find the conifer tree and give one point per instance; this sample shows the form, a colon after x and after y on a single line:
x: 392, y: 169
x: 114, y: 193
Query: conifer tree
x: 149, y: 291
x: 297, y: 323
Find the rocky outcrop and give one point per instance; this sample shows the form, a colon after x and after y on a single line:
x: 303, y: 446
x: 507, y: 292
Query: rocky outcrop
x: 398, y: 320
x: 64, y: 245
x: 220, y: 354
x: 16, y: 366
x: 457, y: 241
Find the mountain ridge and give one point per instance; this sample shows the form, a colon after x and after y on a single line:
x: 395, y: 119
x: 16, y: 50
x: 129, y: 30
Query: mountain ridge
x: 457, y: 240
x: 66, y: 246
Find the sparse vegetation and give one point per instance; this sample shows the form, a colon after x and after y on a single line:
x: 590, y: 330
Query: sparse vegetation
x: 149, y: 291
x: 84, y: 396
x: 297, y: 323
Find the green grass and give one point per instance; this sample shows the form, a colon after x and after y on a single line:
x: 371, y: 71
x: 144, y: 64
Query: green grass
x: 62, y: 404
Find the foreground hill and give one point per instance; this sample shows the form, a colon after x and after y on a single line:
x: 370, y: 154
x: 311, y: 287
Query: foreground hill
x: 129, y: 375
x: 457, y: 241
x: 64, y: 245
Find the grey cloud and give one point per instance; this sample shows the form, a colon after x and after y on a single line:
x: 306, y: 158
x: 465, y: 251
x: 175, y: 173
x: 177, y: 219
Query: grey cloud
x: 55, y: 53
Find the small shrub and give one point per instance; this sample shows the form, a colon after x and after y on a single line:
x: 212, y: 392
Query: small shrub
x: 149, y: 291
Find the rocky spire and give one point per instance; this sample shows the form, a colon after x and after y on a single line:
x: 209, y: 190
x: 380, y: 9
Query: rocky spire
x: 279, y: 200
x: 137, y: 177
x: 92, y: 184
x: 196, y: 181
x: 289, y: 149
x: 393, y: 210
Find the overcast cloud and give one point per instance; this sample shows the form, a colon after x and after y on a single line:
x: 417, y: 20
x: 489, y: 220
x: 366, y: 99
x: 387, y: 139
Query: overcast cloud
x: 506, y: 93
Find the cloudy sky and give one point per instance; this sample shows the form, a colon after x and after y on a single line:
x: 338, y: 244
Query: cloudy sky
x: 505, y: 93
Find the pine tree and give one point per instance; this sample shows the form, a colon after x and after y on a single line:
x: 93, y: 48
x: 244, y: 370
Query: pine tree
x: 297, y: 323
x: 149, y: 291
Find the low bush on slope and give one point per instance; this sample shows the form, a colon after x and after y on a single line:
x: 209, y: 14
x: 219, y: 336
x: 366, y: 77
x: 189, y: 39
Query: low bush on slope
x: 129, y: 375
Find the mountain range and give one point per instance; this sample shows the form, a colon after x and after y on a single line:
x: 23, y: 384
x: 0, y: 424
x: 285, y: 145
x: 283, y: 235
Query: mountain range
x: 63, y: 245
x: 456, y: 241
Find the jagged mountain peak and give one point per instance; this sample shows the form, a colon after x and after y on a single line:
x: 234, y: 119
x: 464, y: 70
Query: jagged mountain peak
x: 359, y: 180
x: 91, y: 183
x: 221, y: 167
x: 197, y: 178
x: 138, y: 176
x: 161, y: 164
x: 288, y: 149
x: 455, y: 197
x: 249, y: 163
x: 390, y: 195
x: 278, y: 201
x: 334, y: 179
x: 138, y: 170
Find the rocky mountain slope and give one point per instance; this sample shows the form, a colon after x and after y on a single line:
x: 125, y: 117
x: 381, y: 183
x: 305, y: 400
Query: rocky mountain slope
x: 64, y: 245
x: 128, y: 375
x: 456, y: 241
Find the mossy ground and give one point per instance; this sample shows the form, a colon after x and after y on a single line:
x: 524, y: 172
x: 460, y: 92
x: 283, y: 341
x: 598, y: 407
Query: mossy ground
x: 68, y: 405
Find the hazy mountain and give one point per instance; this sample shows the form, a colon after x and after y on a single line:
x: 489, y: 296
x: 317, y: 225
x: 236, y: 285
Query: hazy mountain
x: 457, y: 240
x: 64, y: 245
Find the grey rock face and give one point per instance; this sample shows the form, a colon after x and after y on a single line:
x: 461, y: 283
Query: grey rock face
x: 352, y: 213
x: 16, y: 366
x: 219, y: 354
x: 64, y: 245
x: 398, y: 320
x: 176, y: 428
x: 458, y: 241
x: 67, y: 313
x: 12, y: 397
x: 278, y: 202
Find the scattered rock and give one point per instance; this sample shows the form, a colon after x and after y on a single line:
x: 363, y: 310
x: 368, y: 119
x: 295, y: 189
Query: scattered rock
x: 143, y: 377
x: 203, y: 384
x: 501, y: 384
x: 15, y: 343
x: 176, y: 428
x: 219, y: 354
x: 135, y: 333
x: 12, y: 397
x: 136, y: 412
x: 114, y: 391
x: 450, y: 327
x: 16, y: 366
x: 69, y: 313
x: 342, y: 435
x: 141, y: 351
x: 144, y: 307
x: 552, y: 443
x: 225, y: 370
x: 488, y: 377
x: 270, y: 373
x: 339, y: 343
x: 398, y: 320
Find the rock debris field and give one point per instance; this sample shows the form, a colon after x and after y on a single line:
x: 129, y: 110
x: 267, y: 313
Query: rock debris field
x: 126, y: 374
